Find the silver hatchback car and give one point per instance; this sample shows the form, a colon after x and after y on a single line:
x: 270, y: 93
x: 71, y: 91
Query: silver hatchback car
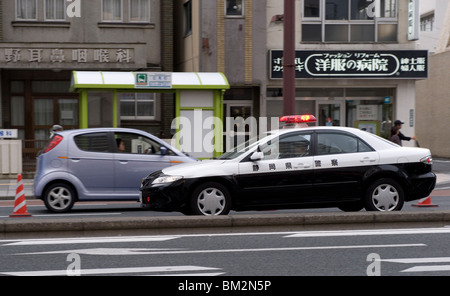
x: 99, y: 164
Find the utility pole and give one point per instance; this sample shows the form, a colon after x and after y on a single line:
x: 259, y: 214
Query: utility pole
x: 289, y: 58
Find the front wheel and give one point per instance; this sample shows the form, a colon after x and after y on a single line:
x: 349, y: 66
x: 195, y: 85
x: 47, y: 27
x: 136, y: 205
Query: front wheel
x: 384, y: 195
x: 211, y: 199
x: 59, y: 198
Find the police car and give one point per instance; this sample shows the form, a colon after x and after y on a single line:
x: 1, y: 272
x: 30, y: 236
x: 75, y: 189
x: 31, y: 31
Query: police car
x: 297, y: 168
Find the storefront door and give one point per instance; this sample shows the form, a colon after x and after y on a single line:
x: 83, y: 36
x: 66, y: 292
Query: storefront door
x: 236, y: 124
x: 330, y: 113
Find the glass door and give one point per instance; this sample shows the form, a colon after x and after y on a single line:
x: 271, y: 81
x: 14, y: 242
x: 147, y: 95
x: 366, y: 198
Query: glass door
x: 330, y: 113
x: 236, y: 123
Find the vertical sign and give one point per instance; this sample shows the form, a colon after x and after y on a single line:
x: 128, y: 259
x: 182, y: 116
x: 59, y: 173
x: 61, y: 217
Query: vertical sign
x: 413, y: 20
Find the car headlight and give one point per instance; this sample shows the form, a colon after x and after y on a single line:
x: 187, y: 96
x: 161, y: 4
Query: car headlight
x: 166, y: 180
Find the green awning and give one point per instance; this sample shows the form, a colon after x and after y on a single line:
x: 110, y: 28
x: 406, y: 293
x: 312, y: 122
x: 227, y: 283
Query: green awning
x: 127, y: 80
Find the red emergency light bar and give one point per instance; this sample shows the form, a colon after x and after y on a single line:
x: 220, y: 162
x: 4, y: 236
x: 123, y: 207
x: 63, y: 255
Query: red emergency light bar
x: 290, y: 119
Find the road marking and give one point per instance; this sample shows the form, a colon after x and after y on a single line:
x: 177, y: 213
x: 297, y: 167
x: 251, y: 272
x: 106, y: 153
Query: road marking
x: 88, y: 240
x: 370, y: 232
x: 418, y: 260
x: 428, y: 268
x: 172, y: 252
x: 112, y: 270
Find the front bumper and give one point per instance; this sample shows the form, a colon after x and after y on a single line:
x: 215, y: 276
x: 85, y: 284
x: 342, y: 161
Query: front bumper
x: 163, y: 197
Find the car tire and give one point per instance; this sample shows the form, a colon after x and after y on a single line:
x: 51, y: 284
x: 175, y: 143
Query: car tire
x: 59, y: 198
x: 210, y: 199
x: 384, y: 195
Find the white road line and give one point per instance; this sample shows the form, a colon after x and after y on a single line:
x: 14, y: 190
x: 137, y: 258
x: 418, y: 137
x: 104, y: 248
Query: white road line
x: 88, y: 240
x: 172, y: 252
x: 112, y: 270
x: 428, y: 268
x: 418, y: 260
x: 370, y: 232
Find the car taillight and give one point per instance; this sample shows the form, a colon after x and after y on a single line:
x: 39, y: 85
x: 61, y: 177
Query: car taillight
x: 427, y: 160
x: 53, y: 143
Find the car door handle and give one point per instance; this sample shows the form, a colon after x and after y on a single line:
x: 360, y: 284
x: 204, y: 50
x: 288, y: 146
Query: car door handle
x: 123, y: 161
x: 302, y: 166
x: 367, y: 159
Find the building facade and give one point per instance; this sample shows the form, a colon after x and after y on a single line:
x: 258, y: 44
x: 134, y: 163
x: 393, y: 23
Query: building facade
x: 43, y: 41
x: 433, y: 94
x: 357, y: 61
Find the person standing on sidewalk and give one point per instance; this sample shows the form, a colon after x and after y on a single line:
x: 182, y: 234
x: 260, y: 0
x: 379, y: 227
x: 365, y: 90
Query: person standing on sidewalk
x: 402, y: 137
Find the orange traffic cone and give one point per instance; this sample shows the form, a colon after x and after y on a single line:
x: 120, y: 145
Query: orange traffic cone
x: 20, y: 204
x: 426, y: 203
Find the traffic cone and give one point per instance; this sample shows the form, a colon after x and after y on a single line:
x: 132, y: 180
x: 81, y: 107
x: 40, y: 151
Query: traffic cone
x: 426, y: 203
x: 20, y: 203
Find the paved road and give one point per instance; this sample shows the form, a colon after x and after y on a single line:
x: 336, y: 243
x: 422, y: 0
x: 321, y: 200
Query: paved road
x: 385, y: 252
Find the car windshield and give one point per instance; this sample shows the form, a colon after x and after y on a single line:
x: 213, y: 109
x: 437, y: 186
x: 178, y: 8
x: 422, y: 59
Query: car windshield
x: 244, y: 147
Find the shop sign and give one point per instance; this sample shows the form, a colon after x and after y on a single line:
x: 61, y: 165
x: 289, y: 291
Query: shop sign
x: 20, y: 56
x: 411, y: 64
x: 8, y: 134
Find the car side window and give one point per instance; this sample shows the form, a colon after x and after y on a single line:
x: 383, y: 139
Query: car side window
x: 288, y: 146
x: 337, y: 143
x: 137, y: 144
x: 93, y: 142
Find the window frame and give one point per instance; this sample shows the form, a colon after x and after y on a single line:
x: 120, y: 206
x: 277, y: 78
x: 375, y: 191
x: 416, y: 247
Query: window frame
x: 148, y: 20
x: 136, y: 100
x: 16, y: 16
x: 323, y: 22
x: 55, y: 19
x: 111, y: 20
x: 234, y: 15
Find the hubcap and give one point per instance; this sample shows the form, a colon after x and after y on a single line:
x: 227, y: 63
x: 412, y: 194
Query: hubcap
x: 59, y: 198
x: 385, y: 198
x: 211, y: 201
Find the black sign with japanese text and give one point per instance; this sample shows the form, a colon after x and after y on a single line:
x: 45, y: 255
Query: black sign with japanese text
x: 411, y: 64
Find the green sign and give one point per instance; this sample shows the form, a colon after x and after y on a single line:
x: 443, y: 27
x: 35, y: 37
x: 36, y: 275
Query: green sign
x: 153, y: 80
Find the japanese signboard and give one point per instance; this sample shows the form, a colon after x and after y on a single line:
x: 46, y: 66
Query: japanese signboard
x: 153, y: 80
x: 411, y: 64
x: 75, y: 56
x: 8, y: 134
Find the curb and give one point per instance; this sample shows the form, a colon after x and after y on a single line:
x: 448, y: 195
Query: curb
x: 231, y: 221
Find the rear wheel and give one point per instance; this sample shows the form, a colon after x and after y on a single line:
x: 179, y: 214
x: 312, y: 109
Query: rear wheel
x: 384, y: 195
x: 211, y: 199
x: 59, y: 198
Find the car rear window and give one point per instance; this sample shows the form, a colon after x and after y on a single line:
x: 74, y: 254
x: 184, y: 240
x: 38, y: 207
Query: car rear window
x: 93, y: 142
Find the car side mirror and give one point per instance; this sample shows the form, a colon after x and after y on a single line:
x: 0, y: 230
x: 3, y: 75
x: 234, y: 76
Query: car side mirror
x: 163, y: 150
x: 258, y: 155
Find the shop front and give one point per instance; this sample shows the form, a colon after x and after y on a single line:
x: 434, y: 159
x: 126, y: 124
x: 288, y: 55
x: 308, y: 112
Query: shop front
x: 363, y: 89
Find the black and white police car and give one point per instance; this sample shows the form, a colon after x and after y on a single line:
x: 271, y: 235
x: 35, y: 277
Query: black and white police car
x: 297, y: 168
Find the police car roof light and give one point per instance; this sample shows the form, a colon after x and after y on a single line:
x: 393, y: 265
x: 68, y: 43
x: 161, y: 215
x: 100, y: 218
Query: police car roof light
x: 298, y: 119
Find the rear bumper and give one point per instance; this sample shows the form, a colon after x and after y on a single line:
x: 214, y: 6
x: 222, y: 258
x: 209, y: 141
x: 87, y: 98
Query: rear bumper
x: 421, y: 186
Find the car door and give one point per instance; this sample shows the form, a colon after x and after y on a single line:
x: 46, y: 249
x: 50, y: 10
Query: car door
x: 91, y: 161
x: 140, y: 157
x: 340, y: 162
x: 283, y: 176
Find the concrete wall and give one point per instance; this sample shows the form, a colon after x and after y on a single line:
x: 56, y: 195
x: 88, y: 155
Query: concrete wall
x: 433, y: 107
